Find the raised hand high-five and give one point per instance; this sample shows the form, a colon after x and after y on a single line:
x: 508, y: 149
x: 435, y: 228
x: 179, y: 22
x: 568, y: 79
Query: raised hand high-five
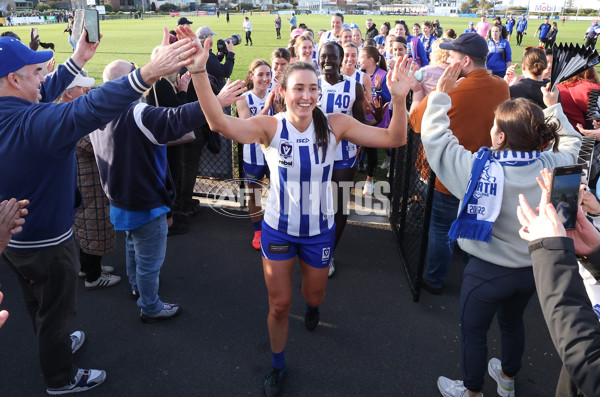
x: 168, y: 59
x: 200, y: 57
x: 400, y: 79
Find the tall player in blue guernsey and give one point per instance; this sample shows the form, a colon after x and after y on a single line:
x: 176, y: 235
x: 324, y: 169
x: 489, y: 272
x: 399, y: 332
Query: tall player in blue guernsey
x: 252, y: 104
x: 299, y: 147
x: 340, y: 94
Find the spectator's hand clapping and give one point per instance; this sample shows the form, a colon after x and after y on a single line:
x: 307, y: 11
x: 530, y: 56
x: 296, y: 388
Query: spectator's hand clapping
x: 589, y: 203
x: 400, y: 79
x: 377, y: 110
x: 11, y: 219
x: 51, y: 65
x: 591, y: 133
x: 3, y: 313
x: 169, y: 58
x: 544, y: 224
x: 183, y: 81
x: 449, y: 79
x: 231, y: 92
x: 197, y: 59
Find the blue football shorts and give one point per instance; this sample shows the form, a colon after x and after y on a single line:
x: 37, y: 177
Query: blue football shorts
x: 316, y: 251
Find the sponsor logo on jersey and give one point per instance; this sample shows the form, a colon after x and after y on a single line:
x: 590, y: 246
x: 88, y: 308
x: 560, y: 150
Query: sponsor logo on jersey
x: 286, y: 152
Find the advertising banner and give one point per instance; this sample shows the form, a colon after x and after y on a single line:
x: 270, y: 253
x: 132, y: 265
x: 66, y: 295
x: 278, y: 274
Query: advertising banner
x: 548, y: 6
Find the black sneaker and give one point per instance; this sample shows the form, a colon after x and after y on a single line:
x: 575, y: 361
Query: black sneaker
x: 169, y: 311
x: 311, y: 319
x: 85, y: 380
x: 274, y: 382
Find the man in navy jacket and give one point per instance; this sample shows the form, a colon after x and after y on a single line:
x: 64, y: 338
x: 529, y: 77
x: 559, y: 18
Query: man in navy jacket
x: 132, y: 160
x: 37, y: 152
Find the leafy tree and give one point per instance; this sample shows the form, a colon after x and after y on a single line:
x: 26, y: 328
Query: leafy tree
x: 168, y: 7
x: 468, y: 6
x: 41, y: 7
x: 108, y: 8
x: 153, y: 7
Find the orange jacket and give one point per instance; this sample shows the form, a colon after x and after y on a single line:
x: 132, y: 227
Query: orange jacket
x: 472, y: 114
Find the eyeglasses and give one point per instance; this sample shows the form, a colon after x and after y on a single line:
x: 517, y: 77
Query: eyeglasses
x: 530, y: 47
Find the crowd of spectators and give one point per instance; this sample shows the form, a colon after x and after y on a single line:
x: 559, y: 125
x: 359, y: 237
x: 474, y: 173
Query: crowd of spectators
x: 125, y: 155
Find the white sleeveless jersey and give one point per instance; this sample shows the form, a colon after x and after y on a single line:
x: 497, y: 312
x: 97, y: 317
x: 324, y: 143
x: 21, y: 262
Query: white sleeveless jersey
x: 300, y: 199
x: 358, y: 76
x: 329, y: 36
x: 252, y: 152
x: 339, y: 98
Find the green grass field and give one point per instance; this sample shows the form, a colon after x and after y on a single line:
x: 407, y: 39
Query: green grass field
x: 133, y: 40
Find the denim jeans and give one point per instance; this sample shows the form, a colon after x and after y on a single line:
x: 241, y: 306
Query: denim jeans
x: 488, y: 290
x: 439, y: 250
x: 145, y: 248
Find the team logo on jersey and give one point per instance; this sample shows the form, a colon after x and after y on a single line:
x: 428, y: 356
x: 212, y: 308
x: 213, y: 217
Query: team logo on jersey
x: 253, y: 110
x: 326, y: 253
x: 286, y: 151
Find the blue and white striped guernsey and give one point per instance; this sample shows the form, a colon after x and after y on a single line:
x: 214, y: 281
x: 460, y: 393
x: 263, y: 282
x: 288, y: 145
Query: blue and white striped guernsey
x: 252, y: 152
x: 300, y: 199
x: 339, y: 98
x: 359, y: 76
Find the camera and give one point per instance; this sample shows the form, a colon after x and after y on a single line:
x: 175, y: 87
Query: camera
x: 222, y: 43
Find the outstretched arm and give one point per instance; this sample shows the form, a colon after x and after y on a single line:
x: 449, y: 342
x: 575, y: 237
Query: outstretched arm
x: 256, y: 129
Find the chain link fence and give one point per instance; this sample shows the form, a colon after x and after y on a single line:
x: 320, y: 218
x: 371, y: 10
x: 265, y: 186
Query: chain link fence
x: 411, y: 186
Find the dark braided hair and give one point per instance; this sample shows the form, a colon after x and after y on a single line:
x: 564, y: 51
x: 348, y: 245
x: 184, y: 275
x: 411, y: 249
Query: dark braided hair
x: 322, y: 127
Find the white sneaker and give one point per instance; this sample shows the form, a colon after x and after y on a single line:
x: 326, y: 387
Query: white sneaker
x: 77, y: 339
x: 452, y: 388
x: 85, y: 380
x: 368, y: 188
x: 506, y: 388
x: 103, y: 269
x: 331, y: 269
x: 385, y: 165
x: 105, y: 280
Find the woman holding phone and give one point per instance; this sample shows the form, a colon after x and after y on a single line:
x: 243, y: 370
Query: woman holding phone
x: 498, y: 278
x: 299, y: 146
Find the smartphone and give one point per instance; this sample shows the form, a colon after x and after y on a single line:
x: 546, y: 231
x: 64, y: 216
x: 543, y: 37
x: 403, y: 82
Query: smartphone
x: 564, y: 193
x: 89, y: 20
x: 92, y: 25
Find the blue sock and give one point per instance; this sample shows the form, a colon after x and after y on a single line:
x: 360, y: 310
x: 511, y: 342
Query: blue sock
x: 278, y: 360
x: 257, y: 226
x: 310, y: 308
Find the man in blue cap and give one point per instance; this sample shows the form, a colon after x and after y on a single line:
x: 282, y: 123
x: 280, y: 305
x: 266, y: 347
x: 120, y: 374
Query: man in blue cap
x: 470, y: 29
x: 37, y: 145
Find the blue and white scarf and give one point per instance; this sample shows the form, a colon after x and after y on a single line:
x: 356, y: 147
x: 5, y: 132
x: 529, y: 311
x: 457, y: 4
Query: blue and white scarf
x: 483, y: 199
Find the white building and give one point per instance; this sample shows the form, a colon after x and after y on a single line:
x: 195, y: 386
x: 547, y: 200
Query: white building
x: 447, y: 7
x: 316, y: 5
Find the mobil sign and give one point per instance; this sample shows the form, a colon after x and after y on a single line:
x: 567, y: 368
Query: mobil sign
x: 545, y: 6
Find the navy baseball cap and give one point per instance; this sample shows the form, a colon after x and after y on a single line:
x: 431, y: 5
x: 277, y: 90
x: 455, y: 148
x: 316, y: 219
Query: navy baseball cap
x: 471, y: 44
x: 14, y: 55
x: 184, y: 21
